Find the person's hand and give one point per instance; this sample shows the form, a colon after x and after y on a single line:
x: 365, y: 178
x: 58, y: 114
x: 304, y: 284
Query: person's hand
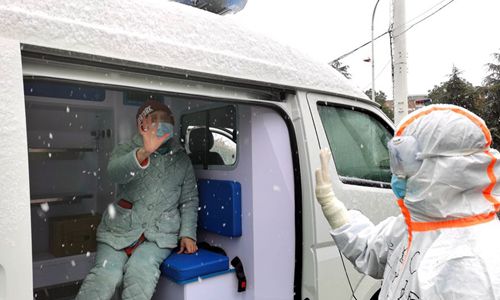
x: 187, y: 245
x: 150, y: 140
x: 323, y: 181
x: 334, y: 210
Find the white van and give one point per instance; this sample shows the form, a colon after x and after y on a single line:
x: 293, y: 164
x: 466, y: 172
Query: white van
x: 72, y: 76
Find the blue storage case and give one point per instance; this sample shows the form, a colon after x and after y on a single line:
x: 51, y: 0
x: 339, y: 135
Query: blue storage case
x: 220, y: 206
x: 184, y: 268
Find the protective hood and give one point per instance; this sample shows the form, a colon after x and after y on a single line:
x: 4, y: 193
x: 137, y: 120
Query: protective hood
x: 458, y: 175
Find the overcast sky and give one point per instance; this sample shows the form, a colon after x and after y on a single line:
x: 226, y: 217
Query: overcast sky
x: 464, y: 34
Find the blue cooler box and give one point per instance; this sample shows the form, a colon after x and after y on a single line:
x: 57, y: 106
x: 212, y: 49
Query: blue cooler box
x: 185, y: 268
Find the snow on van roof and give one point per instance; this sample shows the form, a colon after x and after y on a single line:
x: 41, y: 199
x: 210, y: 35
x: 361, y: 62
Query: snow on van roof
x: 167, y: 34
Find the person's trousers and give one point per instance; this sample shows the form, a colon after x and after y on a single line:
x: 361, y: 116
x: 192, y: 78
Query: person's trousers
x: 139, y: 273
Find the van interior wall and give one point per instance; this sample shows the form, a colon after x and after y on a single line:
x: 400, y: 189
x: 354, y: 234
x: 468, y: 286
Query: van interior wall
x: 265, y: 170
x: 60, y: 125
x: 70, y: 141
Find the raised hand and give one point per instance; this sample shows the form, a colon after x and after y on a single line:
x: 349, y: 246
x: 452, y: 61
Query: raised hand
x: 334, y: 210
x: 323, y: 174
x: 147, y: 129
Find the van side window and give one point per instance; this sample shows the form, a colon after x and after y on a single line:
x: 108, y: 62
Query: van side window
x: 63, y: 90
x: 210, y: 136
x: 358, y: 141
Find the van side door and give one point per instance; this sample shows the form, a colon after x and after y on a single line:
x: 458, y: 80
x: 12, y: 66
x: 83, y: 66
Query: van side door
x: 357, y: 133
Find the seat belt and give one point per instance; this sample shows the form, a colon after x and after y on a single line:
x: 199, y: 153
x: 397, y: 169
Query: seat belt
x: 240, y: 274
x: 235, y: 262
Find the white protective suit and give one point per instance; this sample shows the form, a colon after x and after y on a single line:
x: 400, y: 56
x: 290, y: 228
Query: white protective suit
x: 446, y: 242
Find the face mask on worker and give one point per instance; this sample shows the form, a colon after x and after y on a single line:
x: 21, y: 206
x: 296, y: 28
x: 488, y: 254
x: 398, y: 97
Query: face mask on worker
x: 398, y: 186
x: 164, y: 128
x: 404, y: 162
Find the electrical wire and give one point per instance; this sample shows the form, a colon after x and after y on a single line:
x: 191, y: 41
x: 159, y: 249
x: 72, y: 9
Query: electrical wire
x: 426, y: 11
x: 356, y: 49
x: 436, y: 11
x: 383, y: 68
x: 351, y: 52
x: 347, y: 275
x: 392, y: 60
x: 379, y: 73
x: 388, y: 31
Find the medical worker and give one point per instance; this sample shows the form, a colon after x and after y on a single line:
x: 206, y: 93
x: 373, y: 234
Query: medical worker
x: 445, y: 244
x: 157, y: 210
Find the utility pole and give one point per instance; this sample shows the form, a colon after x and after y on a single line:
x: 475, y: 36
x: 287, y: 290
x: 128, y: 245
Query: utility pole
x: 373, y: 51
x: 400, y: 72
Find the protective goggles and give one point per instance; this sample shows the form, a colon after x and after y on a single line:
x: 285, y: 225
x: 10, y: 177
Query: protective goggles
x: 404, y: 156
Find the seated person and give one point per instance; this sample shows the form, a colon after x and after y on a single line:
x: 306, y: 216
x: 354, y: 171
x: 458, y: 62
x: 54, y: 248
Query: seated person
x: 158, y: 206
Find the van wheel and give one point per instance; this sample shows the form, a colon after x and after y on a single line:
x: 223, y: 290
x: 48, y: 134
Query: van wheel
x: 375, y: 296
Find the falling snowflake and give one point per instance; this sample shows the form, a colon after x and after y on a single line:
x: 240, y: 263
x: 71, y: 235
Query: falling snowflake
x: 111, y: 211
x: 45, y: 207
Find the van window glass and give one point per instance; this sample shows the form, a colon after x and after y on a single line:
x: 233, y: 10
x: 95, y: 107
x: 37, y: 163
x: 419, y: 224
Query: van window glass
x: 215, y: 145
x: 358, y: 142
x: 63, y: 90
x: 137, y: 98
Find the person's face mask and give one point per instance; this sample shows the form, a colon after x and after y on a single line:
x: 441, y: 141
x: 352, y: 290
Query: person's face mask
x: 163, y: 128
x: 398, y: 185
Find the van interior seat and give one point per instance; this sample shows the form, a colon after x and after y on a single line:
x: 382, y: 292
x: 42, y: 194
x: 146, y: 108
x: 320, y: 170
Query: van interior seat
x: 201, y: 140
x: 219, y: 213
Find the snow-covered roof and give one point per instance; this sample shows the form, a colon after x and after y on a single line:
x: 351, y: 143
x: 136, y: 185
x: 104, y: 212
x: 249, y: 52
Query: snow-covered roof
x: 169, y: 34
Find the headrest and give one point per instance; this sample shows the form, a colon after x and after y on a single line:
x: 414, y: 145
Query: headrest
x: 198, y: 140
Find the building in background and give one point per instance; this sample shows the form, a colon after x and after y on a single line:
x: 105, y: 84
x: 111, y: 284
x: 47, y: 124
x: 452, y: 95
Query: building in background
x: 414, y: 102
x: 220, y: 7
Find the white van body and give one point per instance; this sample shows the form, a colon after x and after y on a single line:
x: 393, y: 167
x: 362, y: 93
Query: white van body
x: 188, y: 54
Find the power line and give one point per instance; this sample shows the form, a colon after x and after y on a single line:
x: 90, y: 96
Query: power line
x: 351, y: 52
x: 379, y: 73
x: 426, y: 11
x: 435, y: 12
x: 388, y: 31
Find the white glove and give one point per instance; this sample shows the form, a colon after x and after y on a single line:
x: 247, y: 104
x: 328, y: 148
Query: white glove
x: 333, y: 209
